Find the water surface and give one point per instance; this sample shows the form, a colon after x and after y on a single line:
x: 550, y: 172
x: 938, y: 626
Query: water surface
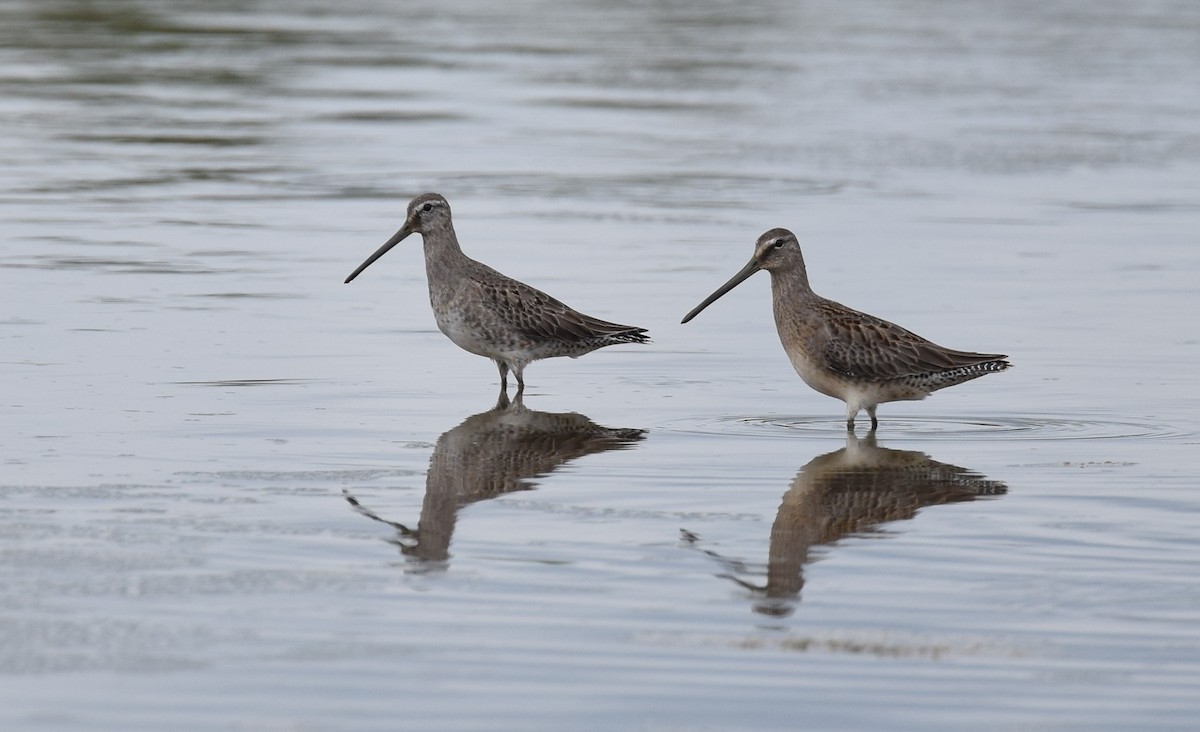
x: 239, y: 494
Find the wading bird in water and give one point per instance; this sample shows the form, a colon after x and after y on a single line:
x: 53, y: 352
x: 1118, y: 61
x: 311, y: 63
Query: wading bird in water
x: 843, y: 353
x: 489, y: 314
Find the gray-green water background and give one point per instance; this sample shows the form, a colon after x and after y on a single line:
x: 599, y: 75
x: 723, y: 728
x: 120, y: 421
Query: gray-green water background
x: 200, y: 419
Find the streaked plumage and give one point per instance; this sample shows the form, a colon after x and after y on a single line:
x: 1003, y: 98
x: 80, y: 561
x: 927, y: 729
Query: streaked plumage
x: 486, y: 313
x: 851, y: 491
x: 843, y: 353
x: 499, y: 451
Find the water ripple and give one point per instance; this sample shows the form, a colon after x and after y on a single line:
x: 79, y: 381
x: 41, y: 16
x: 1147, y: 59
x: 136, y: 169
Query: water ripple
x: 1026, y: 427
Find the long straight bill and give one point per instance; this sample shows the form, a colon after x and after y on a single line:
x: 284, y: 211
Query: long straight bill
x: 750, y: 268
x: 396, y: 239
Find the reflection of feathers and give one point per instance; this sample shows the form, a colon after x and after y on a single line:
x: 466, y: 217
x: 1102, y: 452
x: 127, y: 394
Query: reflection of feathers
x: 497, y: 452
x: 856, y: 488
x: 852, y: 491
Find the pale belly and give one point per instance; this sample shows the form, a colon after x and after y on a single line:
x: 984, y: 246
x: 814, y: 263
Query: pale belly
x: 819, y: 379
x: 852, y: 392
x: 468, y: 336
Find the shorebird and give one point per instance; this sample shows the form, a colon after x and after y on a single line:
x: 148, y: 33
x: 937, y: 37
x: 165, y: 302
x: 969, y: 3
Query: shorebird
x: 505, y: 449
x: 847, y: 492
x: 489, y: 314
x: 846, y: 354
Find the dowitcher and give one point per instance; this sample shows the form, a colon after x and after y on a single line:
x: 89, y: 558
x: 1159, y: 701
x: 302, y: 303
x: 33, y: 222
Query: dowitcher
x: 847, y: 492
x: 843, y: 353
x: 489, y: 314
x: 505, y: 449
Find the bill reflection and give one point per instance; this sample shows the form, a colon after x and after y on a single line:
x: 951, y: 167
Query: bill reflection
x: 489, y: 454
x: 851, y: 491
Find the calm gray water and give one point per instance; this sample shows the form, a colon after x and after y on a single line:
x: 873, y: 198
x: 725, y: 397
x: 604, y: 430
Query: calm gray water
x: 239, y: 494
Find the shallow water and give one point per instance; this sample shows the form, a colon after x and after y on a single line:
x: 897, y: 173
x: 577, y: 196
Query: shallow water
x: 239, y: 494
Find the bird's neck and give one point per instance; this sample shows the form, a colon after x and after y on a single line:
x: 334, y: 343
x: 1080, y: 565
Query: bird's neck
x: 442, y: 251
x: 790, y: 283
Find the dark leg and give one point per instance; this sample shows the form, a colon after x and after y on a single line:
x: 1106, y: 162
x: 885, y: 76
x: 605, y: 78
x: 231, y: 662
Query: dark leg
x: 874, y: 420
x: 520, y: 374
x: 503, y: 375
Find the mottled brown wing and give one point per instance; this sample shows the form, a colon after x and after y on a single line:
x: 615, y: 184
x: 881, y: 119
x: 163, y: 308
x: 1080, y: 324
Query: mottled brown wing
x: 871, y: 348
x: 540, y: 316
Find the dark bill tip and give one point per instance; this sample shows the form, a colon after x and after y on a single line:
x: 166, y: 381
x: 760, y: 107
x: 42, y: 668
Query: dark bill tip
x: 750, y: 268
x: 396, y: 239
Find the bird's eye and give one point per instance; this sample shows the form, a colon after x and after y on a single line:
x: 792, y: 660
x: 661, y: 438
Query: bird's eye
x: 778, y: 244
x: 427, y: 207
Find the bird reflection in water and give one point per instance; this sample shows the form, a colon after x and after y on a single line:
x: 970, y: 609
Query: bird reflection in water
x: 846, y: 492
x: 492, y: 453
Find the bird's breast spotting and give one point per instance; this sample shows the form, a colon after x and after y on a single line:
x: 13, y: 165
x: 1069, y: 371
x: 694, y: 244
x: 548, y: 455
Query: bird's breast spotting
x: 467, y: 333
